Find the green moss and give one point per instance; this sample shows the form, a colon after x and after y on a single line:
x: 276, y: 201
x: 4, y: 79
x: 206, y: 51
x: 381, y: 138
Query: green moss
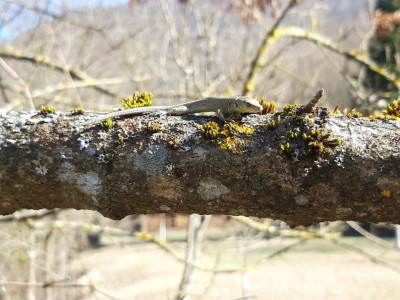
x: 290, y: 109
x: 78, y: 111
x: 44, y: 110
x: 268, y: 107
x: 292, y: 134
x: 273, y: 124
x: 393, y: 109
x: 137, y: 100
x: 226, y: 137
x: 106, y: 124
x: 287, y: 149
x: 353, y: 114
x: 319, y: 142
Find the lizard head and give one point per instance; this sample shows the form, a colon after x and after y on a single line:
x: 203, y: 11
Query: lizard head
x: 246, y: 104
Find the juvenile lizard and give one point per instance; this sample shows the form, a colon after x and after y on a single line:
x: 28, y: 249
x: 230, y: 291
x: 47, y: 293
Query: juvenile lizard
x: 221, y: 106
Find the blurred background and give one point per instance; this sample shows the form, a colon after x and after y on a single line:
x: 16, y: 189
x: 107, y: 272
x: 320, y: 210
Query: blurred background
x: 91, y: 54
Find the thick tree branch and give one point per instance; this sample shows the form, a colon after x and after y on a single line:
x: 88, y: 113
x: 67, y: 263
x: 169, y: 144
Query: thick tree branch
x: 153, y: 164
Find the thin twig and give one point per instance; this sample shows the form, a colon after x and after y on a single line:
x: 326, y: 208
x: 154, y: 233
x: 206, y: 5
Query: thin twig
x: 370, y: 236
x: 371, y: 257
x: 256, y: 64
x: 47, y: 62
x: 14, y: 75
x: 299, y: 33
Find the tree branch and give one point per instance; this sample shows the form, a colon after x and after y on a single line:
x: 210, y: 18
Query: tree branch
x: 152, y: 164
x: 75, y: 73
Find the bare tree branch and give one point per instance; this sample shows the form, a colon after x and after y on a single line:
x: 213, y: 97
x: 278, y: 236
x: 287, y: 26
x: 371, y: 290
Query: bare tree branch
x: 75, y: 73
x: 136, y: 170
x: 262, y: 51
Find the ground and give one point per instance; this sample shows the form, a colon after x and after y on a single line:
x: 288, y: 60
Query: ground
x: 317, y: 269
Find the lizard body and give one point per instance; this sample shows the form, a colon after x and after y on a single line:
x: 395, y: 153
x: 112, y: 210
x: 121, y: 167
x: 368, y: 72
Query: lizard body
x: 221, y: 106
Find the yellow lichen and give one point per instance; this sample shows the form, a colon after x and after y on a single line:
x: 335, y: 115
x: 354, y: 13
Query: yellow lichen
x: 174, y: 144
x: 154, y: 127
x: 210, y: 130
x: 234, y: 144
x: 44, y: 110
x: 385, y: 193
x: 231, y: 128
x: 137, y: 100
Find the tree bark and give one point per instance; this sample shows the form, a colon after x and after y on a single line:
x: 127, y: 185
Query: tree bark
x: 140, y: 168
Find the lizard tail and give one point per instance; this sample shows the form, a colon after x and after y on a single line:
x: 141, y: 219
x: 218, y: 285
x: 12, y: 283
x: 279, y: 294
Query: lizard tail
x: 126, y: 112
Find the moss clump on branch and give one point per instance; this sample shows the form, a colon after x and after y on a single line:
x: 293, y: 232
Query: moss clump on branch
x: 273, y: 124
x: 106, y: 124
x: 137, y: 100
x: 44, y: 110
x: 227, y: 136
x: 268, y: 107
x: 393, y: 109
x: 78, y: 111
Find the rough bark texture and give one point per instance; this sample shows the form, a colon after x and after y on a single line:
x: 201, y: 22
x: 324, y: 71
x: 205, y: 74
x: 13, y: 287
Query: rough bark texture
x: 137, y: 169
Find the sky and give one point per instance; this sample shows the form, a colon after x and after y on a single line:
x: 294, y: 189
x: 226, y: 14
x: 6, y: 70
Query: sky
x: 16, y: 18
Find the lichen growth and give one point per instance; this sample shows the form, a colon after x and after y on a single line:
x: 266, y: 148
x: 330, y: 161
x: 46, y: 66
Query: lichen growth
x: 210, y: 130
x: 234, y: 144
x: 106, y: 124
x: 137, y: 100
x: 385, y: 193
x: 154, y: 127
x: 268, y: 107
x: 174, y: 144
x: 226, y: 137
x: 41, y: 170
x: 44, y: 110
x: 231, y: 128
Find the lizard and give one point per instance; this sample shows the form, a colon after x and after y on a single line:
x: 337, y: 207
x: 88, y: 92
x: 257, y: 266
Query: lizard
x: 221, y: 106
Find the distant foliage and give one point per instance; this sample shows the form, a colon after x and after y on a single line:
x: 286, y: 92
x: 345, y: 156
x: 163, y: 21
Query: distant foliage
x: 384, y: 47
